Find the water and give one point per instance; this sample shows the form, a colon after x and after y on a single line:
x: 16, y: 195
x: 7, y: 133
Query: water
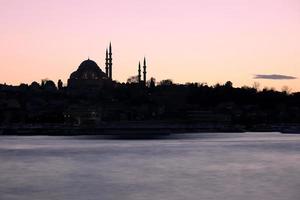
x: 231, y: 166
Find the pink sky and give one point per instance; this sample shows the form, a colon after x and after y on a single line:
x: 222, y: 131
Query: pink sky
x: 208, y: 41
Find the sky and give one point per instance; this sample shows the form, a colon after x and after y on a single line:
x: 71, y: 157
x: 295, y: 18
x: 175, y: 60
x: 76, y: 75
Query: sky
x: 207, y: 41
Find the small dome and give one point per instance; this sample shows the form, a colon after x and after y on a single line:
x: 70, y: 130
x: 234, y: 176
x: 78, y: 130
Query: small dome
x: 50, y: 85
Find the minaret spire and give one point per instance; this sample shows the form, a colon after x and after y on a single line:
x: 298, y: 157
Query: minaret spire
x: 139, y: 71
x: 106, y: 63
x: 110, y: 61
x: 145, y: 71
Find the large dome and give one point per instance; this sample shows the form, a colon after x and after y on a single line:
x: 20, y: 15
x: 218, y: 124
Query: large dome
x: 88, y: 69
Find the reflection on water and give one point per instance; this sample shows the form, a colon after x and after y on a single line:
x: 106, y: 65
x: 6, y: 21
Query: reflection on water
x: 229, y: 166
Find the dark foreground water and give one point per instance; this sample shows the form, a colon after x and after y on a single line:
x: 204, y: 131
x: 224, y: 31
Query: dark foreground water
x: 258, y: 166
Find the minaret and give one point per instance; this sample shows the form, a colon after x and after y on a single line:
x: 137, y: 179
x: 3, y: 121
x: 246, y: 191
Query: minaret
x: 145, y: 72
x: 139, y: 70
x: 110, y: 61
x: 106, y: 64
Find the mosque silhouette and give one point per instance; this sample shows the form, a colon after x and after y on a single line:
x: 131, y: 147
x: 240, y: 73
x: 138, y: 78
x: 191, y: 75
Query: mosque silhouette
x: 89, y: 74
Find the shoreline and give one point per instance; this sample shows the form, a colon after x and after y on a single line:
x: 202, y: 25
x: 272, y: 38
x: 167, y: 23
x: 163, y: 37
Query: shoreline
x: 141, y: 129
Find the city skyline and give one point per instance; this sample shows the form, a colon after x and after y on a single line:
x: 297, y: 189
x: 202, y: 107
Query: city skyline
x: 191, y: 41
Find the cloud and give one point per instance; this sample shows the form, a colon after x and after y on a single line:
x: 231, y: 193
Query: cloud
x: 274, y: 77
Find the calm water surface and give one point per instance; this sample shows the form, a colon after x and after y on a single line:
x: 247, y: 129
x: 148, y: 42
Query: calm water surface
x: 234, y: 166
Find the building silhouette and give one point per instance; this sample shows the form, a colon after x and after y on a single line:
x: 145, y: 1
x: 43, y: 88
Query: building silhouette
x: 88, y: 75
